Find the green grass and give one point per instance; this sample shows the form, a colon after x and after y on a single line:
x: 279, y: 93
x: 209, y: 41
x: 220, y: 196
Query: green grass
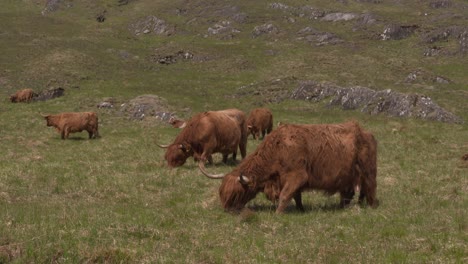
x: 114, y: 200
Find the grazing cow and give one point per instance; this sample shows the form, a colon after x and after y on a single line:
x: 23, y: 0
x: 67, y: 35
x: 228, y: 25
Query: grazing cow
x: 177, y: 123
x: 330, y: 157
x: 67, y: 123
x: 24, y: 95
x: 207, y: 133
x: 259, y: 121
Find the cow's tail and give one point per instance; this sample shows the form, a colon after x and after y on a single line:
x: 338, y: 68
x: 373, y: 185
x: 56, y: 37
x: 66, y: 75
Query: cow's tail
x: 96, y: 135
x: 96, y: 131
x: 367, y: 162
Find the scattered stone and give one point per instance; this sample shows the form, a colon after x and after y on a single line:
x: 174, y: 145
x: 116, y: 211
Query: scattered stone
x: 459, y: 33
x: 442, y: 80
x: 397, y: 32
x: 432, y: 51
x: 151, y: 24
x: 124, y: 2
x: 223, y: 29
x: 442, y: 34
x: 440, y: 4
x: 420, y: 75
x: 49, y: 94
x: 145, y: 106
x: 55, y: 5
x: 334, y: 17
x: 318, y: 38
x: 463, y: 41
x: 375, y: 102
x: 265, y: 29
x: 304, y: 11
x: 369, y: 1
x: 172, y: 58
x: 105, y: 105
x: 366, y: 100
x: 279, y: 6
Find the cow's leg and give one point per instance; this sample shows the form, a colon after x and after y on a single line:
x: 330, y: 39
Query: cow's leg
x: 298, y: 200
x: 63, y: 133
x: 368, y: 192
x: 207, y: 156
x: 243, y: 147
x: 234, y: 155
x: 225, y: 157
x: 346, y: 197
x: 362, y: 196
x: 263, y: 134
x: 90, y: 133
x: 291, y: 189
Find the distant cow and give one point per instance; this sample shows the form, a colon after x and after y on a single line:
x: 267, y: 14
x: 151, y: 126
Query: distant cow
x: 25, y: 95
x: 259, y: 121
x: 330, y: 157
x: 207, y: 133
x: 67, y: 123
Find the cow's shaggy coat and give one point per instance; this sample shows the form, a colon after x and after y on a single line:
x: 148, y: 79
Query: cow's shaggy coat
x: 67, y: 123
x: 25, y: 95
x: 207, y: 133
x: 334, y: 158
x: 260, y: 120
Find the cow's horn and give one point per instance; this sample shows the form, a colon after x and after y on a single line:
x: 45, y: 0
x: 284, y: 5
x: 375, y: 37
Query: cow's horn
x: 163, y: 146
x: 201, y: 165
x: 243, y: 179
x: 43, y: 115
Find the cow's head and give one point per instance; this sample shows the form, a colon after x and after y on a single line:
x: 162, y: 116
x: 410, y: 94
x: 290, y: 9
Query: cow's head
x: 177, y: 154
x: 236, y: 191
x: 49, y: 120
x: 13, y: 98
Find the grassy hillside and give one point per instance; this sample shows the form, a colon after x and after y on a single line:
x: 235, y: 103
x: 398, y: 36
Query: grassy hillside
x: 114, y: 200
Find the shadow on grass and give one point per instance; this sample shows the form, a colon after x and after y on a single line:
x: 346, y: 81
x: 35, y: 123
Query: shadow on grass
x: 291, y: 209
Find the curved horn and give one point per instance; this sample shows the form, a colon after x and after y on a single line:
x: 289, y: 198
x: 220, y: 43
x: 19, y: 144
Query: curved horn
x: 201, y: 165
x: 43, y: 115
x: 162, y: 146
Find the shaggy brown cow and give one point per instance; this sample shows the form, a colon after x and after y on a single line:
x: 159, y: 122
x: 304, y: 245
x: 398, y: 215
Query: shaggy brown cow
x: 207, y: 133
x: 293, y: 158
x: 67, y: 123
x: 259, y: 121
x: 24, y: 95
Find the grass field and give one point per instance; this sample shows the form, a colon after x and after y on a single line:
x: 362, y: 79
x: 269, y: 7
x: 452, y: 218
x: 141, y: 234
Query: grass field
x: 114, y: 200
